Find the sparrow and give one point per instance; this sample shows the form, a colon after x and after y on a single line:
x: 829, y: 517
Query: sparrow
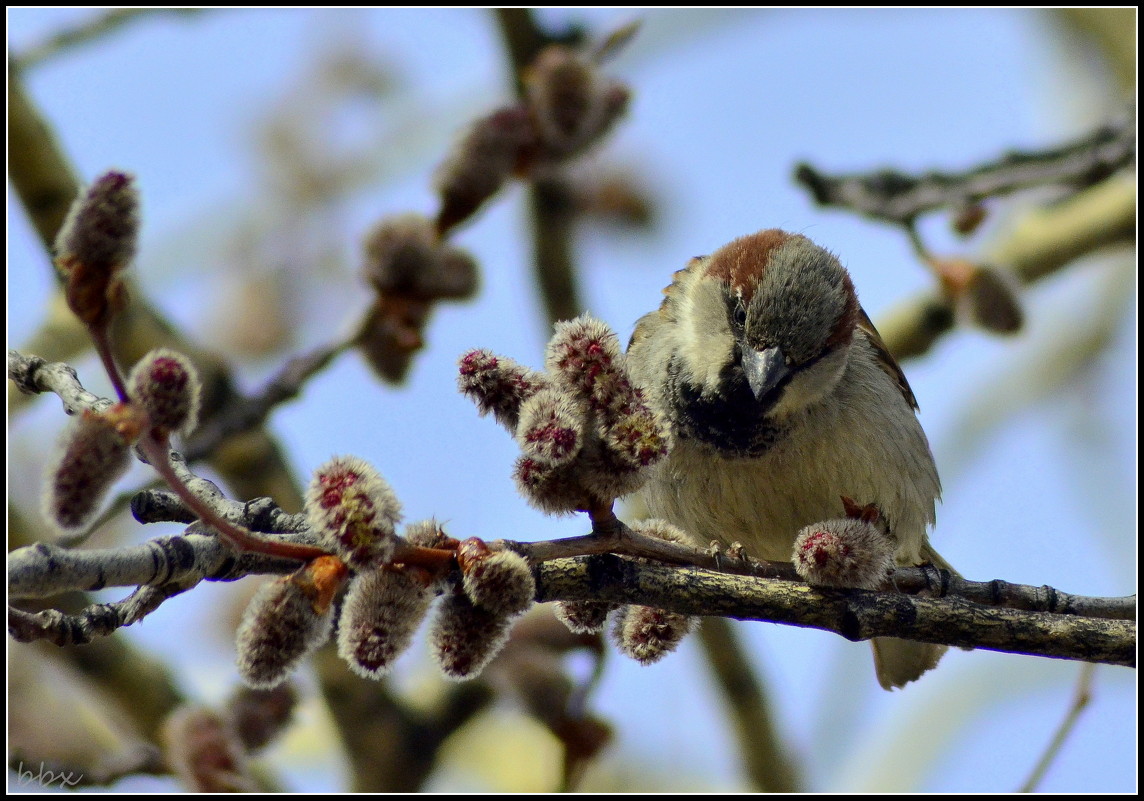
x: 783, y: 399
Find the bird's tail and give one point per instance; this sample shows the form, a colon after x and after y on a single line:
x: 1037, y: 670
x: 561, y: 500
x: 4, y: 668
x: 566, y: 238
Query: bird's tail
x: 898, y: 662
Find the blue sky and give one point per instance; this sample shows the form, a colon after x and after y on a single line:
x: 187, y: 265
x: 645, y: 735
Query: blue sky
x: 1038, y: 489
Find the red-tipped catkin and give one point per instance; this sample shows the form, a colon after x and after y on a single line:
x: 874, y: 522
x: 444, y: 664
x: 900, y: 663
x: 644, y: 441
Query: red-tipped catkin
x: 380, y: 614
x: 585, y: 355
x: 464, y: 637
x: 94, y: 451
x: 287, y: 619
x: 553, y: 490
x: 552, y: 426
x: 573, y: 103
x: 97, y: 239
x: 584, y: 617
x: 480, y: 163
x: 647, y: 634
x: 498, y: 580
x: 638, y: 438
x: 353, y: 511
x: 166, y: 384
x: 498, y: 385
x: 844, y: 553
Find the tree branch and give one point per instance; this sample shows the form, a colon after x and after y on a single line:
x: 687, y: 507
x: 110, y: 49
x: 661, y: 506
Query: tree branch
x: 853, y: 614
x: 899, y: 198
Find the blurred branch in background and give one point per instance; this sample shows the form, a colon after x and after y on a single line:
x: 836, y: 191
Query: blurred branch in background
x: 93, y: 29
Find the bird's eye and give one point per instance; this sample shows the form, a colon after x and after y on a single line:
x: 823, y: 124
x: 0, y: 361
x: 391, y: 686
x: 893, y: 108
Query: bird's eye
x: 740, y: 314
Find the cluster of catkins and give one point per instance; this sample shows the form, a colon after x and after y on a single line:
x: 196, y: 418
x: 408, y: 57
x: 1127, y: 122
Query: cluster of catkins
x: 586, y: 432
x: 354, y: 512
x: 587, y: 436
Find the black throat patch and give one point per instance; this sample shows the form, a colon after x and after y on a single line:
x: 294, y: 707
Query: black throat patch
x: 732, y: 422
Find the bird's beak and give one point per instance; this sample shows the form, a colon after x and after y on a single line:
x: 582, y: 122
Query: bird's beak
x: 765, y: 370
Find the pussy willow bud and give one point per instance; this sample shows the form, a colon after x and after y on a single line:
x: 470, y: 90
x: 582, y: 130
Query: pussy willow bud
x: 584, y: 617
x: 259, y: 716
x: 97, y: 239
x: 639, y: 438
x: 585, y: 355
x: 429, y: 534
x: 464, y: 638
x: 552, y: 426
x: 202, y: 749
x: 991, y: 298
x: 498, y: 580
x: 382, y: 610
x: 94, y: 451
x: 399, y: 251
x: 498, y: 385
x: 844, y: 553
x: 647, y: 634
x: 166, y: 384
x: 573, y: 103
x: 553, y: 490
x: 480, y: 163
x: 353, y: 510
x: 406, y: 257
x: 288, y: 619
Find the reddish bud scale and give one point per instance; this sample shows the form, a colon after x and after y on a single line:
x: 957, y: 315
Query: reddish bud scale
x: 647, y: 634
x: 94, y: 451
x: 991, y: 300
x: 166, y: 384
x: 844, y: 553
x: 353, y: 510
x: 498, y: 385
x: 380, y: 614
x: 464, y: 638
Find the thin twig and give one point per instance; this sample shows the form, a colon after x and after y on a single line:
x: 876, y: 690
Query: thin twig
x: 899, y: 198
x: 1081, y: 697
x: 244, y: 414
x: 765, y: 758
x: 1041, y: 242
x: 91, y: 30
